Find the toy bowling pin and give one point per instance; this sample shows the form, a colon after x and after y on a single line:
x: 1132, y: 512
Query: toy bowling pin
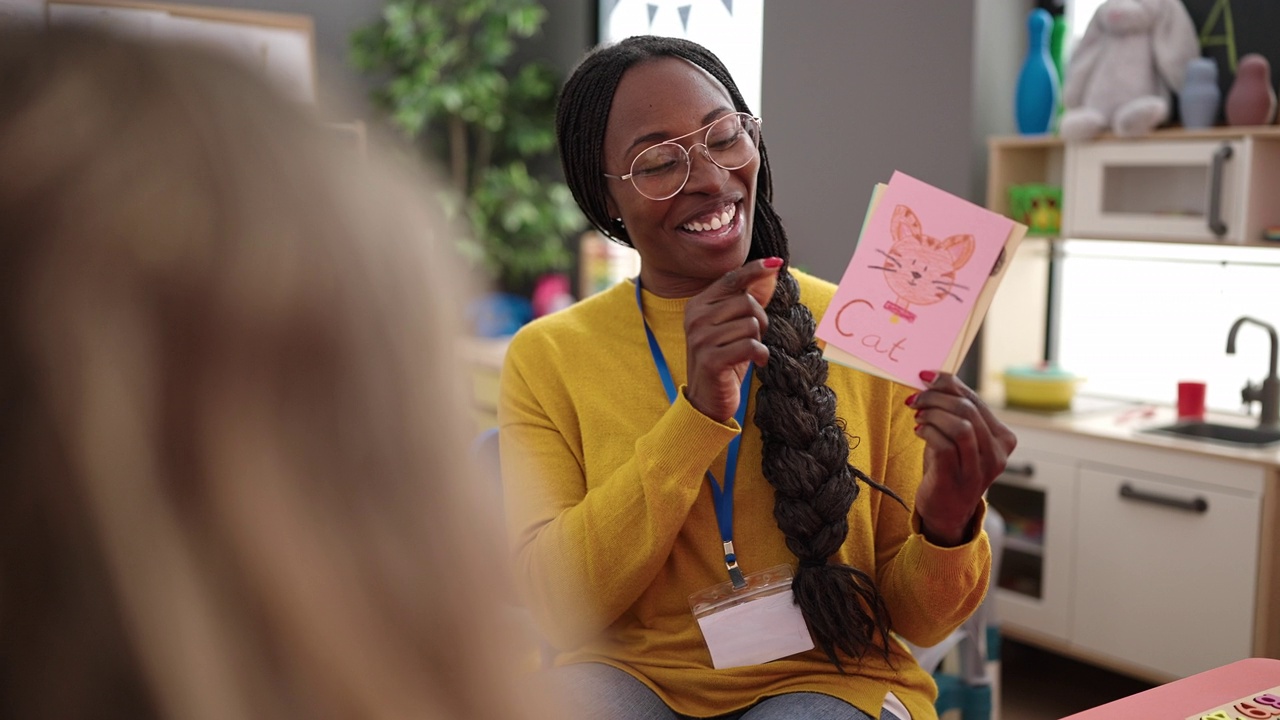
x: 1036, y: 97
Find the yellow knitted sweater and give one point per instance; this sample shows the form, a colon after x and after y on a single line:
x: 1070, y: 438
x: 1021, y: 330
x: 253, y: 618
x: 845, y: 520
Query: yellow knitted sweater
x: 613, y: 524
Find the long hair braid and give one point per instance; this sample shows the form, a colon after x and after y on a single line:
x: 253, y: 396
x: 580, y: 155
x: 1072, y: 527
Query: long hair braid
x: 806, y: 451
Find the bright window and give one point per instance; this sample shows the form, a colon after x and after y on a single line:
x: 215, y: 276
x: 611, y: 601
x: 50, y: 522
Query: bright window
x: 732, y: 29
x: 1078, y: 13
x: 1135, y: 318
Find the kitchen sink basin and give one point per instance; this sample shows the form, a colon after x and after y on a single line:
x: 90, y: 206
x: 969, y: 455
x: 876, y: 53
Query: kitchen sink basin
x: 1218, y: 433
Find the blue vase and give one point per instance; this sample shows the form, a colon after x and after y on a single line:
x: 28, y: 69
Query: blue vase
x: 1036, y: 97
x: 1200, y: 97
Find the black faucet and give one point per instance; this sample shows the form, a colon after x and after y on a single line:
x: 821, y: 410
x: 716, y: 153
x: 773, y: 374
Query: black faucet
x: 1268, y: 393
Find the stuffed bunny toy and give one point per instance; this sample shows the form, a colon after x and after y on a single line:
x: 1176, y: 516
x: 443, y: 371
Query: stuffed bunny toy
x: 1121, y: 74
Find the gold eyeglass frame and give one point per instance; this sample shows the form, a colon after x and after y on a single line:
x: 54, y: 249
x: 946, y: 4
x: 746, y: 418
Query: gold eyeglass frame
x: 688, y: 154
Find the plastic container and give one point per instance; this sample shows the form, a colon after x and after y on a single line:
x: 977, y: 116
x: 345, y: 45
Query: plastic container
x: 1040, y: 387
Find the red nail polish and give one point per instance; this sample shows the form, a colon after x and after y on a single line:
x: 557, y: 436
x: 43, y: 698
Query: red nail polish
x: 912, y: 399
x: 773, y: 262
x: 928, y: 375
x: 917, y: 429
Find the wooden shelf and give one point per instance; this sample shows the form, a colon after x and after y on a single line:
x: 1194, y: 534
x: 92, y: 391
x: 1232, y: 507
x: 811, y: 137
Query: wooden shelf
x: 1170, y: 133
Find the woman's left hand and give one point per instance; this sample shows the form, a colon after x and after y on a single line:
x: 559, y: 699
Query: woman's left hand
x: 966, y: 449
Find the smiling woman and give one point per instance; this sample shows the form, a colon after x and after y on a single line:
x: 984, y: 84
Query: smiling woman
x: 658, y: 100
x: 685, y: 474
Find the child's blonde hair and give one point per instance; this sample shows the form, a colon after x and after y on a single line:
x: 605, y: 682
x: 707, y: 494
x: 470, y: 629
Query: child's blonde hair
x: 232, y: 430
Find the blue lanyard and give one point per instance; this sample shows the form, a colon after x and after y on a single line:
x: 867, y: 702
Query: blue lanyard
x: 723, y: 495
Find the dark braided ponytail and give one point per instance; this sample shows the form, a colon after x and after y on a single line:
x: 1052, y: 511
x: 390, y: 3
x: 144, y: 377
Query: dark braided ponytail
x: 806, y: 451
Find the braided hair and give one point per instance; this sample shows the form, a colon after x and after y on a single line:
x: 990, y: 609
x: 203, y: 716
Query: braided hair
x: 806, y: 451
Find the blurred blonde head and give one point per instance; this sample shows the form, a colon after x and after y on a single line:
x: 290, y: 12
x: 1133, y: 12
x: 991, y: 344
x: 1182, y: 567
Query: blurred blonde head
x: 235, y: 482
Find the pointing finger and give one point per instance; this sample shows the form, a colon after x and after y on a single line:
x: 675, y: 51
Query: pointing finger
x: 758, y: 278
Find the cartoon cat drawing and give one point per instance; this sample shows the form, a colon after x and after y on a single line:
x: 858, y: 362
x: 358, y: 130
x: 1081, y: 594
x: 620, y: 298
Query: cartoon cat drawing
x: 921, y: 269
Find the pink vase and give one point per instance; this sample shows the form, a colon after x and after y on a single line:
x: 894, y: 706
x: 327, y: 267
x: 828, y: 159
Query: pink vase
x: 1251, y: 100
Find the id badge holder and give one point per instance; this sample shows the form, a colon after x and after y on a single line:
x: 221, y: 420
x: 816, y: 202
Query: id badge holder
x: 753, y: 625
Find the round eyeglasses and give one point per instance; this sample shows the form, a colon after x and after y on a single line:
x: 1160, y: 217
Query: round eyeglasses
x: 660, y: 171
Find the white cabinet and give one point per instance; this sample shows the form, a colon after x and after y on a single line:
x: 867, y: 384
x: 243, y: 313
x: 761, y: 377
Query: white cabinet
x: 1160, y: 190
x: 1166, y: 570
x: 1036, y: 498
x: 1138, y: 558
x: 1206, y: 186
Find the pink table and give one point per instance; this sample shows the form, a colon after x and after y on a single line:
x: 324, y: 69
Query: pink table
x: 1199, y: 693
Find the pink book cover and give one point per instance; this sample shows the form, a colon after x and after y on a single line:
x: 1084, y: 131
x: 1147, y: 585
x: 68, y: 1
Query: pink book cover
x: 925, y: 268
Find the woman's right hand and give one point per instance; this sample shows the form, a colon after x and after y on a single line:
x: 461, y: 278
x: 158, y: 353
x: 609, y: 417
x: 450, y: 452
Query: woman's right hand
x: 724, y: 329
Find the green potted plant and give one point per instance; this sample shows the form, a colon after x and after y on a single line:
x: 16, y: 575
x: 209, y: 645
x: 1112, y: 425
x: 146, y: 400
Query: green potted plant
x: 447, y: 79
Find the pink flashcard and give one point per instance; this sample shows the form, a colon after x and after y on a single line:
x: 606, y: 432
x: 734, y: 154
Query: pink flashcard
x: 918, y: 275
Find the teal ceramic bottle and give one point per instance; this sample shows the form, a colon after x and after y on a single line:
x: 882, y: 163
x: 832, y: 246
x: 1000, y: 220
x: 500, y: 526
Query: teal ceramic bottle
x: 1036, y: 96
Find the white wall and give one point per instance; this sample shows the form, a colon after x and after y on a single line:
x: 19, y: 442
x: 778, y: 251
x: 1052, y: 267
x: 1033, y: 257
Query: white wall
x: 854, y: 91
x: 999, y: 46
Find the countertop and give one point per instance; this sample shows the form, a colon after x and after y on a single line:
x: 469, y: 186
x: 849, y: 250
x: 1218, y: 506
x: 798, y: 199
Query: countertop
x: 1125, y: 422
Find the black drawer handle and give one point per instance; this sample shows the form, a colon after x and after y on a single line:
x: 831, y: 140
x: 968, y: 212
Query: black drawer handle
x: 1196, y: 505
x: 1025, y: 471
x: 1220, y: 157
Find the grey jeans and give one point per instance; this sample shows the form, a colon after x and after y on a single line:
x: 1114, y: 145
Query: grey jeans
x: 603, y: 692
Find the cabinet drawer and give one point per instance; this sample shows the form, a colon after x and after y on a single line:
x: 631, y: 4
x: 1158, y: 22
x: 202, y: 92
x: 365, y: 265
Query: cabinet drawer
x: 1192, y: 190
x: 1033, y: 572
x: 1165, y: 570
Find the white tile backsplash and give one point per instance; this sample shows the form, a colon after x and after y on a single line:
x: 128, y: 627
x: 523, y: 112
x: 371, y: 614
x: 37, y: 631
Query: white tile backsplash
x: 1135, y: 318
